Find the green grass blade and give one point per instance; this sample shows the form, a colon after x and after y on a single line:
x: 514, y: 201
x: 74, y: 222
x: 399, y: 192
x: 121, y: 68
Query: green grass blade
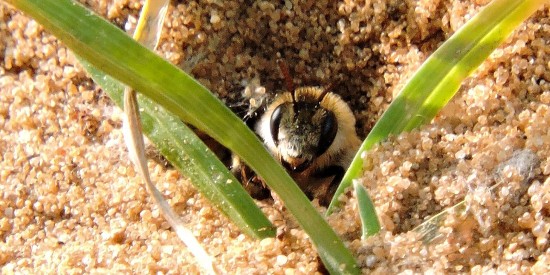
x: 369, y: 223
x: 113, y: 52
x: 439, y: 78
x: 179, y: 144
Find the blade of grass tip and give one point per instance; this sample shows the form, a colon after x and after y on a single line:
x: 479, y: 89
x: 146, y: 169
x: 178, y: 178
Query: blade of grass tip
x: 113, y: 52
x: 439, y: 78
x: 523, y: 161
x: 429, y: 230
x: 369, y: 223
x: 148, y: 33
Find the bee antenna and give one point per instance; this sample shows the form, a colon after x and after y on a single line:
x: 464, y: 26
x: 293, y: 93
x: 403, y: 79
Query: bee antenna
x: 325, y: 92
x: 286, y: 74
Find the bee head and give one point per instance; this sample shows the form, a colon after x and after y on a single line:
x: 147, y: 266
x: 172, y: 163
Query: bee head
x: 302, y: 130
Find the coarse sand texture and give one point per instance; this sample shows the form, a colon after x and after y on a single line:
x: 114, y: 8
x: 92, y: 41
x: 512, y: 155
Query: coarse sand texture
x: 71, y: 202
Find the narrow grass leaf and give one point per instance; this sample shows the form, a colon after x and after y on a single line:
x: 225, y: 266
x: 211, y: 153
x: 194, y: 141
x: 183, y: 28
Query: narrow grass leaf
x: 113, y: 52
x: 147, y: 33
x: 369, y: 223
x: 439, y: 78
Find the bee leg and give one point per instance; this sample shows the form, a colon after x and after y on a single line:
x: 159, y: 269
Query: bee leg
x: 251, y: 183
x: 255, y: 186
x: 326, y: 191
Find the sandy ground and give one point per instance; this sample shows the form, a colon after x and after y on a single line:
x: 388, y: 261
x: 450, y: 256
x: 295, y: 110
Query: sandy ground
x: 72, y: 203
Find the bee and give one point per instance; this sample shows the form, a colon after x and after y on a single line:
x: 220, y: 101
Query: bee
x: 311, y: 131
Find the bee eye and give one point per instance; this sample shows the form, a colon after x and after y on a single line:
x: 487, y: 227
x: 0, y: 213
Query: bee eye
x: 275, y: 122
x: 329, y: 128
